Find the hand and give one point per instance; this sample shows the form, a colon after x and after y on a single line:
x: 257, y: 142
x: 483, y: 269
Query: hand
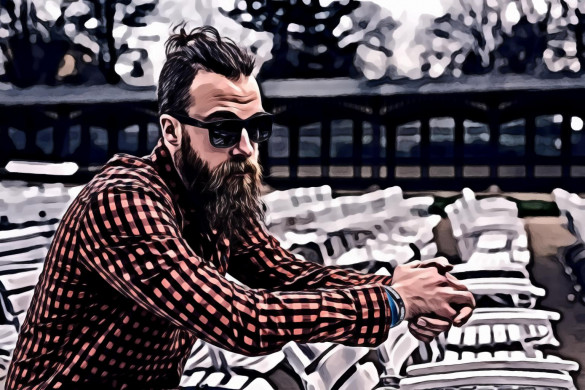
x: 426, y: 329
x: 464, y: 311
x: 426, y: 287
x: 440, y: 263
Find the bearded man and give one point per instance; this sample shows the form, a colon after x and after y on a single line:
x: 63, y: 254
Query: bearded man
x: 136, y: 271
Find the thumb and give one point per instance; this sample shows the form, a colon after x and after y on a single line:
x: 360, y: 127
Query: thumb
x: 463, y: 316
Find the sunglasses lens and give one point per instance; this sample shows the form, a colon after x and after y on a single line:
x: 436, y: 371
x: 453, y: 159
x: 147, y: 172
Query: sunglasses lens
x: 223, y: 139
x: 260, y: 128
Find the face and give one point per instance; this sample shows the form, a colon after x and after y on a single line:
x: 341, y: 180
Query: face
x: 213, y: 97
x: 227, y: 180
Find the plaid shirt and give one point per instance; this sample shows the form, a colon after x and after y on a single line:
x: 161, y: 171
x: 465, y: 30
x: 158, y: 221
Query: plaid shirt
x: 131, y: 280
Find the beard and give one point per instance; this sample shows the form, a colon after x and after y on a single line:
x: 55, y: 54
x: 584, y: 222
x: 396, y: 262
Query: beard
x: 229, y: 195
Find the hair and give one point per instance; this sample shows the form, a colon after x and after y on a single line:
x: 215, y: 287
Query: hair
x: 188, y: 52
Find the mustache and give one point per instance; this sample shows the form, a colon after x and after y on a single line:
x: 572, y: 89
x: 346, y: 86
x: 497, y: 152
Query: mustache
x: 227, y: 169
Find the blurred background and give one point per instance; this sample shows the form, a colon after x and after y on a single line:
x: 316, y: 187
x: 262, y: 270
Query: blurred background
x: 429, y: 97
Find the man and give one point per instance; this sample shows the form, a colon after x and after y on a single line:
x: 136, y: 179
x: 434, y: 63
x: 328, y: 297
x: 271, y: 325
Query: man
x: 136, y: 271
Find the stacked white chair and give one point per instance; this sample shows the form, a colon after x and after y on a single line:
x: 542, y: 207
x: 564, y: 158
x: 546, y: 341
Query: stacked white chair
x: 572, y: 209
x: 215, y: 367
x: 380, y: 226
x: 278, y: 201
x: 487, y: 226
x: 498, y: 347
x: 324, y: 366
x: 29, y: 216
x: 502, y: 344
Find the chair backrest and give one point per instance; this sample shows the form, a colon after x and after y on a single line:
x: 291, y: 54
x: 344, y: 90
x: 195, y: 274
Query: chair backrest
x: 279, y: 201
x: 321, y: 365
x: 571, y: 206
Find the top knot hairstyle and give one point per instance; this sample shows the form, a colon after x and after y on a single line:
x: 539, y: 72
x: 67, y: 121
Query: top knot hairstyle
x: 188, y: 52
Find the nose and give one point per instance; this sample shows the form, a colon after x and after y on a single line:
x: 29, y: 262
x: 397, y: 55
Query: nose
x: 244, y: 147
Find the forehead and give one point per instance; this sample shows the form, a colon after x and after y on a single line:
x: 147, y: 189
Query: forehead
x: 212, y: 92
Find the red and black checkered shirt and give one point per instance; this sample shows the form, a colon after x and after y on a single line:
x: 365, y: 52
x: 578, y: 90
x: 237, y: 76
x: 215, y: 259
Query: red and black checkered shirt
x: 130, y: 282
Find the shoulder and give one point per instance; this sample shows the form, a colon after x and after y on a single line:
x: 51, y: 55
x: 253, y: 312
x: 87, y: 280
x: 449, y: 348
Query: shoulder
x: 126, y: 173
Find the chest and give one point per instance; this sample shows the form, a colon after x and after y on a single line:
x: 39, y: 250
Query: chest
x: 208, y: 246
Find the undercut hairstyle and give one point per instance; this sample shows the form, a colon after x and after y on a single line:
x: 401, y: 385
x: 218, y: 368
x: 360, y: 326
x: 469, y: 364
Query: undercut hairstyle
x: 188, y: 52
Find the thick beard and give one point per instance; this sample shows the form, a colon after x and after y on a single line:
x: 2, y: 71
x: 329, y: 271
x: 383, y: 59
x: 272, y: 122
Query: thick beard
x: 231, y: 202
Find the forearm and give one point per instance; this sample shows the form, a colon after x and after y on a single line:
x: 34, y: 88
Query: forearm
x: 262, y: 262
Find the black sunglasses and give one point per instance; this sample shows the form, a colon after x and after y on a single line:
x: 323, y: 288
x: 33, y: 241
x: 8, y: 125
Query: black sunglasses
x: 225, y: 133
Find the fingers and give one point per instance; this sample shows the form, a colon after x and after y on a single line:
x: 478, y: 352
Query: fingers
x: 433, y: 324
x: 427, y: 329
x: 413, y: 264
x: 441, y: 263
x: 462, y: 298
x: 463, y: 316
x: 445, y: 310
x: 423, y: 331
x: 455, y: 283
x: 420, y: 336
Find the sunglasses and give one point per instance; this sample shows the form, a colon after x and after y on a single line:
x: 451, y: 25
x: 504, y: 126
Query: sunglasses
x: 225, y: 133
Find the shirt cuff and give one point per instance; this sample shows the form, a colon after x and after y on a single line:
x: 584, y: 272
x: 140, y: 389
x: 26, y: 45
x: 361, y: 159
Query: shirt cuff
x: 396, y: 306
x: 374, y: 316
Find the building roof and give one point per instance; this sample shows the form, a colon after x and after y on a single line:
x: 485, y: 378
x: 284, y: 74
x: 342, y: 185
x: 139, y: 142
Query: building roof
x: 290, y: 88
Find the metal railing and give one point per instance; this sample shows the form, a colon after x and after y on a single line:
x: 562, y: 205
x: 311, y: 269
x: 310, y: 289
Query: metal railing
x: 521, y: 137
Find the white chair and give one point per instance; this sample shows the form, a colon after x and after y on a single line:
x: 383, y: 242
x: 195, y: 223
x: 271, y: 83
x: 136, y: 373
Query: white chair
x: 321, y: 365
x: 278, y: 201
x: 213, y: 366
x: 521, y: 290
x: 572, y: 207
x: 493, y: 379
x: 22, y: 203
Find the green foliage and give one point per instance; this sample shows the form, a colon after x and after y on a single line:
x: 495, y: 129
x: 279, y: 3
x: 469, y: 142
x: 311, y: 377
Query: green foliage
x: 73, y: 45
x: 305, y: 45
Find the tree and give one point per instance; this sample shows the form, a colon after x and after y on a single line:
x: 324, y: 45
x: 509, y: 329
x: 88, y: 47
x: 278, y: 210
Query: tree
x: 32, y: 47
x: 65, y: 41
x: 371, y: 27
x: 304, y: 43
x: 482, y: 36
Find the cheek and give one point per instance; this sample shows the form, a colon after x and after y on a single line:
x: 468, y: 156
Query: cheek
x: 212, y: 156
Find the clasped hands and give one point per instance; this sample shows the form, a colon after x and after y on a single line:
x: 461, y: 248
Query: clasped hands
x: 433, y: 299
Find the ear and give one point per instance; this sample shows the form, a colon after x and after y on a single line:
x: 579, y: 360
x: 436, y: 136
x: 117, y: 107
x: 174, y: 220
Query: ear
x: 172, y: 130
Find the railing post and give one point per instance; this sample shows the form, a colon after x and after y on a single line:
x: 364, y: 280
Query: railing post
x: 530, y: 143
x: 142, y: 138
x: 84, y: 149
x: 425, y: 149
x: 566, y: 147
x: 376, y: 139
x: 294, y: 134
x: 59, y: 132
x: 390, y: 153
x: 494, y: 144
x: 113, y: 134
x: 325, y: 147
x: 358, y: 132
x: 459, y: 147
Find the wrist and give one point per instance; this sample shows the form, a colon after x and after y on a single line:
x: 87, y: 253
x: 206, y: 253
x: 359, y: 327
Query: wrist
x: 396, y: 306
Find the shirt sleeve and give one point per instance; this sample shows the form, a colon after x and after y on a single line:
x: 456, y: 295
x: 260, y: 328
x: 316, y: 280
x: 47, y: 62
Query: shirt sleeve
x: 259, y: 261
x: 131, y: 239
